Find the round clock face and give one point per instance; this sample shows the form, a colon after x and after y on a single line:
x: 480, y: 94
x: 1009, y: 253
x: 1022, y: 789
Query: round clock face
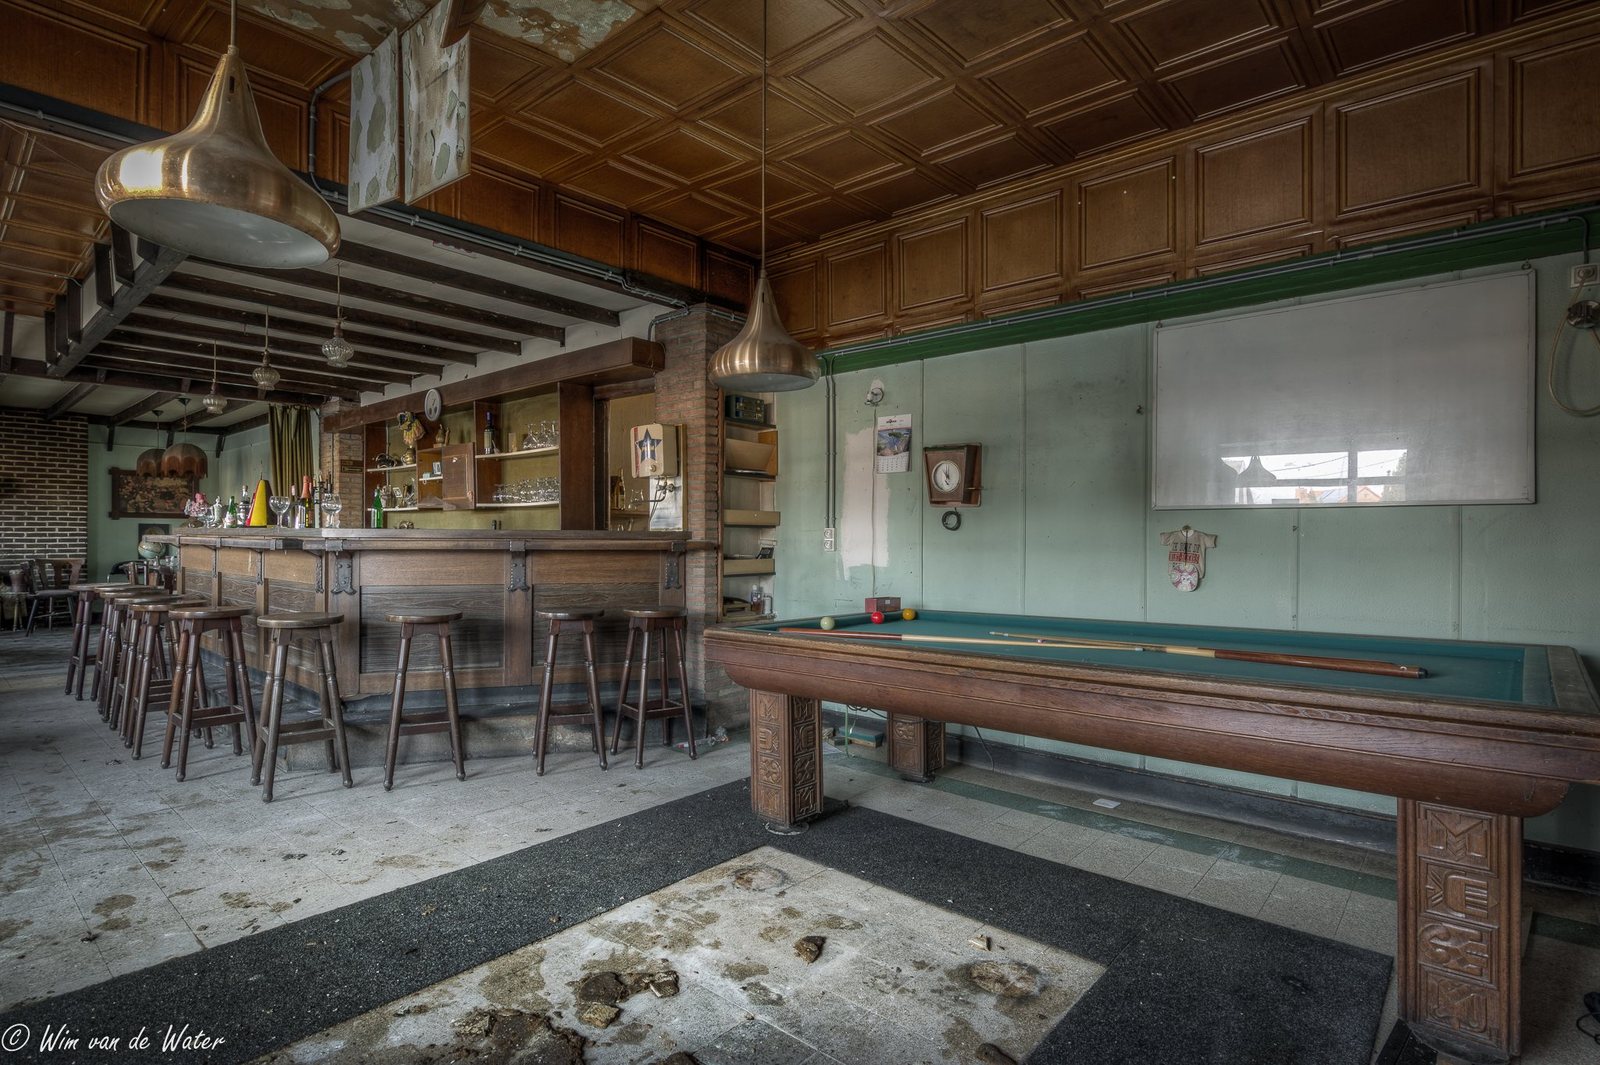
x: 946, y: 476
x: 431, y: 405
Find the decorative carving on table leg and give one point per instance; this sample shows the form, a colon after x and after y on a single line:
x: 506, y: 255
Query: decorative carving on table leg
x: 916, y: 746
x: 344, y: 575
x: 1460, y: 910
x: 785, y: 757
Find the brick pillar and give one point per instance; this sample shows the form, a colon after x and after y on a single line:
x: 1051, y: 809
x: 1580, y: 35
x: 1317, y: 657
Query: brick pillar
x: 343, y: 461
x: 685, y: 396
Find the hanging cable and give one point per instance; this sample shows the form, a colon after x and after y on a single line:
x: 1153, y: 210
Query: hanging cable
x: 1584, y: 315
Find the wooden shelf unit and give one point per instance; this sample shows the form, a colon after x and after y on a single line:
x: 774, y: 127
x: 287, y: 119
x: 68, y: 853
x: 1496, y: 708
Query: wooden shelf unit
x: 749, y: 514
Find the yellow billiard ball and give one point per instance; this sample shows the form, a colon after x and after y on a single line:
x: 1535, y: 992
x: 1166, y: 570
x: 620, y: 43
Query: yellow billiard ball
x: 908, y: 614
x: 827, y: 623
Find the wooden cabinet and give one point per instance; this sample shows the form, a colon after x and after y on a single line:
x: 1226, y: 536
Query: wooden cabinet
x: 750, y: 516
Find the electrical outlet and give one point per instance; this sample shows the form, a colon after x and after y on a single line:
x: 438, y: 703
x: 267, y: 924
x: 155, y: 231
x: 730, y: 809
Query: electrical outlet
x: 1585, y: 274
x: 827, y: 539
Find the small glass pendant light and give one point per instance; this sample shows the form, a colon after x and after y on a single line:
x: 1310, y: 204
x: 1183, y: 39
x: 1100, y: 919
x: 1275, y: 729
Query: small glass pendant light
x: 214, y: 403
x: 266, y: 377
x: 336, y: 349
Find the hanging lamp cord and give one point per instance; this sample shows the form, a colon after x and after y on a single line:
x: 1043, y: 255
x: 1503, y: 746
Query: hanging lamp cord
x: 764, y: 5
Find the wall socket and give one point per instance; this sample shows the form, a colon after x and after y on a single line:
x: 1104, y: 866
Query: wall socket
x: 1585, y: 274
x: 827, y: 539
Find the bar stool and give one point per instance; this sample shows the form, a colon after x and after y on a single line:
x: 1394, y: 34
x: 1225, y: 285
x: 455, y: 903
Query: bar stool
x: 434, y: 721
x: 186, y: 708
x: 579, y: 621
x: 82, y: 622
x: 643, y: 622
x: 152, y: 665
x: 327, y: 726
x: 109, y: 657
x: 130, y: 639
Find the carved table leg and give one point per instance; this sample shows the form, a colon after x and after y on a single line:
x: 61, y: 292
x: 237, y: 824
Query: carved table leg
x: 1459, y: 910
x: 916, y: 746
x: 785, y: 757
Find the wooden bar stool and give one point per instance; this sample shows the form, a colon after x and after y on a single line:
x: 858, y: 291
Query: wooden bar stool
x: 153, y: 662
x: 131, y: 639
x: 579, y: 621
x: 109, y: 657
x: 186, y: 708
x: 82, y: 623
x: 643, y: 622
x: 434, y: 721
x: 327, y: 726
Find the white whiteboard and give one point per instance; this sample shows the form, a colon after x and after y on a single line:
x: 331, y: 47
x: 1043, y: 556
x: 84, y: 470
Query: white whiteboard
x: 1418, y: 396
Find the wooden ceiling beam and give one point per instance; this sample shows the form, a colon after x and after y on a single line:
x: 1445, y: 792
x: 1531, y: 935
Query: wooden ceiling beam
x: 68, y: 401
x: 466, y: 281
x: 185, y: 382
x: 49, y: 231
x: 34, y: 249
x: 196, y: 341
x: 134, y: 361
x: 147, y: 277
x: 325, y: 312
x: 143, y: 407
x: 164, y: 425
x: 91, y: 208
x: 365, y: 343
x: 238, y: 371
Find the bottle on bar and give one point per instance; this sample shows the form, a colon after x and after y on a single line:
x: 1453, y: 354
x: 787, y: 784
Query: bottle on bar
x: 488, y: 432
x: 377, y: 508
x: 231, y: 519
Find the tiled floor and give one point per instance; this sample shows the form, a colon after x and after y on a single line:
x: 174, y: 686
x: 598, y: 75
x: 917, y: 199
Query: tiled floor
x: 108, y: 865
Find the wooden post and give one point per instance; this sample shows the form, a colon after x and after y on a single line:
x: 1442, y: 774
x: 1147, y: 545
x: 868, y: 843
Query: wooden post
x: 785, y: 757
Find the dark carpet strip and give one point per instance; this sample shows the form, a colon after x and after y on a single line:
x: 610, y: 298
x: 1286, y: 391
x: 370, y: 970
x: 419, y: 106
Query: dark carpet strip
x: 1185, y: 983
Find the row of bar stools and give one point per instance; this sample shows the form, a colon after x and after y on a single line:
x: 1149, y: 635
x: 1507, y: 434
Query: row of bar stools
x: 579, y: 621
x: 82, y: 623
x: 152, y: 666
x: 435, y: 721
x: 328, y: 725
x: 130, y: 639
x: 643, y: 623
x: 108, y: 660
x: 187, y: 709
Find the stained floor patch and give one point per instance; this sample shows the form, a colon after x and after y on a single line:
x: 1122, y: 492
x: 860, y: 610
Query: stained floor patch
x: 895, y: 971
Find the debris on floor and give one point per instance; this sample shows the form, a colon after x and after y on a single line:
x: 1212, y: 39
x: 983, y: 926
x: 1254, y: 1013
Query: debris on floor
x: 809, y: 948
x: 989, y: 1054
x: 1008, y: 979
x: 978, y: 942
x: 515, y: 1037
x: 598, y: 1014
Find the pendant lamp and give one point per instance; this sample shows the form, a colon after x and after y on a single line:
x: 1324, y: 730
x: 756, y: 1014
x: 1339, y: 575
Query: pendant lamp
x: 215, y: 190
x: 266, y: 377
x: 763, y: 357
x: 336, y: 349
x: 214, y: 403
x: 148, y: 464
x: 183, y: 460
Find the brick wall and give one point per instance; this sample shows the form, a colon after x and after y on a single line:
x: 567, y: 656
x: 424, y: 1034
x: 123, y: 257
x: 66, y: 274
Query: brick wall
x: 685, y: 396
x: 44, y: 486
x: 342, y: 457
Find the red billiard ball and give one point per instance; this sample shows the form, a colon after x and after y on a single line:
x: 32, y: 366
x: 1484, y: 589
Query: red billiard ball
x: 877, y: 617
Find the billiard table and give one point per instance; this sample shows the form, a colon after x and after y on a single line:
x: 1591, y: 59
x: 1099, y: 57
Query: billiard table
x: 1491, y: 734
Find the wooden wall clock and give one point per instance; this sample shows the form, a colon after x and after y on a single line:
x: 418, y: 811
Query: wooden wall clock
x: 954, y: 474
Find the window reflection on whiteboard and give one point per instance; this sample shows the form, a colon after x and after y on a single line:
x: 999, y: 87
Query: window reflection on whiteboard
x: 1319, y: 478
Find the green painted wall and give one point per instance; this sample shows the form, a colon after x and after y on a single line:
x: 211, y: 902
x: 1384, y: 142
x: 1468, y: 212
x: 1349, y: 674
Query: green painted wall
x: 1066, y: 528
x: 245, y: 457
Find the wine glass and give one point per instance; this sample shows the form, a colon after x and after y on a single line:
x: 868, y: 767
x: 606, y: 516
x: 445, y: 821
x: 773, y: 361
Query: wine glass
x: 331, y: 505
x: 279, y: 505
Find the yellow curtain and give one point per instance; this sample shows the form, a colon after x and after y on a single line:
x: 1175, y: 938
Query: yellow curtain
x: 290, y: 430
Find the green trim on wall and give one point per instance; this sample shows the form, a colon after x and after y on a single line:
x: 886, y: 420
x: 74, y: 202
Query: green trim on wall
x: 1481, y: 244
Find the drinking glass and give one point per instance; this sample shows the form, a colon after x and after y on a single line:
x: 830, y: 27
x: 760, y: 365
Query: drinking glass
x: 331, y: 506
x: 279, y: 505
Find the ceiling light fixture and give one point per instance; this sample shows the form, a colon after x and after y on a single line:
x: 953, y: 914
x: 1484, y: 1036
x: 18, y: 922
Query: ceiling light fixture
x: 266, y: 377
x: 215, y: 190
x: 336, y: 349
x: 184, y: 459
x: 763, y: 357
x: 148, y: 464
x: 214, y: 403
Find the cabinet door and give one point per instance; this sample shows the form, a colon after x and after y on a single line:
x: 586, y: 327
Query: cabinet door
x: 459, y: 466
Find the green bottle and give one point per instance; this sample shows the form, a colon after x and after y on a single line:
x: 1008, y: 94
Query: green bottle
x: 233, y: 513
x: 377, y: 508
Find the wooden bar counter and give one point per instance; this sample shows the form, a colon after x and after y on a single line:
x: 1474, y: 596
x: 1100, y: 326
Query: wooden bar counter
x: 496, y: 578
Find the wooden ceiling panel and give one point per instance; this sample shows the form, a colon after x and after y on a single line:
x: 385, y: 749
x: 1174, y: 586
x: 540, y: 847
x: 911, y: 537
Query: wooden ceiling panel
x: 693, y: 213
x: 615, y: 183
x: 670, y: 70
x: 266, y: 47
x: 902, y: 192
x: 1238, y: 82
x: 530, y: 150
x: 1056, y: 76
x: 684, y: 156
x: 793, y: 26
x: 973, y: 32
x: 843, y: 159
x: 1182, y: 31
x: 993, y: 161
x: 745, y: 189
x: 502, y: 67
x: 938, y: 122
x: 1119, y: 121
x: 588, y: 112
x: 786, y: 120
x: 1388, y: 31
x: 866, y: 74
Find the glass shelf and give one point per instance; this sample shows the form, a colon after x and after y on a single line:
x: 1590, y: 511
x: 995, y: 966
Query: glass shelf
x: 514, y: 506
x: 391, y: 469
x: 521, y: 454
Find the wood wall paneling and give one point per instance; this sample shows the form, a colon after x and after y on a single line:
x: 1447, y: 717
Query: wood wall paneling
x: 857, y: 291
x: 666, y: 253
x: 82, y: 63
x: 1257, y: 182
x: 499, y: 202
x: 932, y: 266
x: 1127, y: 216
x: 282, y: 109
x: 728, y: 277
x: 1418, y: 143
x: 796, y: 291
x: 1553, y: 94
x: 1022, y: 243
x: 1383, y: 32
x: 588, y: 229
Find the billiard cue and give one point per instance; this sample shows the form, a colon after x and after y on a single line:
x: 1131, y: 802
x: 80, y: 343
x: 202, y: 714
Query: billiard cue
x: 1344, y: 665
x: 907, y: 637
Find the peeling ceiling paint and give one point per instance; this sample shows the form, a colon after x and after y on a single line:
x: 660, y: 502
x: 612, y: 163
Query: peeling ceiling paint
x: 564, y: 28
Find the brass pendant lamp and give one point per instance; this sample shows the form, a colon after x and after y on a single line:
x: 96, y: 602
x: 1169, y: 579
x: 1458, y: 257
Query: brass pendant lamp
x: 763, y: 357
x: 336, y: 349
x: 265, y: 376
x: 215, y: 190
x: 214, y: 403
x: 183, y: 459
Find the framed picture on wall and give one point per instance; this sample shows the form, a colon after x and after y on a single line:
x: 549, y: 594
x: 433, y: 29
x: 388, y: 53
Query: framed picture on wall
x: 133, y: 496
